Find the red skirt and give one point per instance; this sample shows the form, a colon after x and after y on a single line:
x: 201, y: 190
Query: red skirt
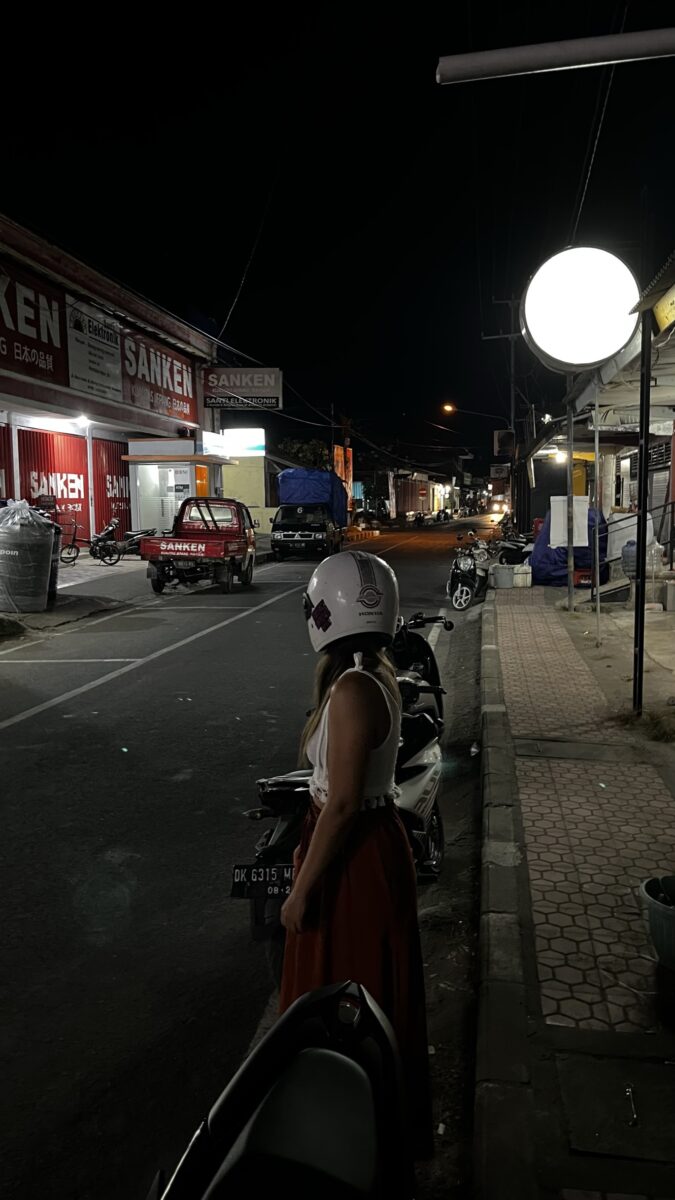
x: 362, y: 925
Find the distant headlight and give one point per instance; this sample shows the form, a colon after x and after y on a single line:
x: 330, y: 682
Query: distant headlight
x: 319, y: 535
x: 277, y: 535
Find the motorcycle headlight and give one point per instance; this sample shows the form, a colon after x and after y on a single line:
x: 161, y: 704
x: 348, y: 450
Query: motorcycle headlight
x: 465, y: 563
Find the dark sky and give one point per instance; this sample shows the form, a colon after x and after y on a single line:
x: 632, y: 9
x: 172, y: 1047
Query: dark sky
x: 395, y: 210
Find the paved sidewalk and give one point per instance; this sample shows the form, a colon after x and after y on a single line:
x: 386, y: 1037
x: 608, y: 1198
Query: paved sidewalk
x: 578, y: 1018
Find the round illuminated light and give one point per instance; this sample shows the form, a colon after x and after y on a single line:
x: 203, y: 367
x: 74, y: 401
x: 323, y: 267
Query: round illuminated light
x: 576, y: 311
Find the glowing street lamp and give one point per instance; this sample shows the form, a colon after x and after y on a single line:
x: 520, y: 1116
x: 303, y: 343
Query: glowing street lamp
x: 576, y: 311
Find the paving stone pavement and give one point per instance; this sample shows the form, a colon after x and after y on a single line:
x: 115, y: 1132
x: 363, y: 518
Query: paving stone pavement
x: 549, y: 690
x: 593, y: 831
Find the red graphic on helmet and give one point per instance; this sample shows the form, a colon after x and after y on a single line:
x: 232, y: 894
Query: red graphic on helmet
x: 321, y: 616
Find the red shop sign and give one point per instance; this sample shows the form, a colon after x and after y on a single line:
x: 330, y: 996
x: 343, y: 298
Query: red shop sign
x: 111, y: 484
x: 32, y: 326
x: 55, y: 464
x: 158, y: 379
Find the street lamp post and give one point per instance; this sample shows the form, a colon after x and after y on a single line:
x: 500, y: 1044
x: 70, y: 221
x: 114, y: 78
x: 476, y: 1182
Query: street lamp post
x: 475, y: 412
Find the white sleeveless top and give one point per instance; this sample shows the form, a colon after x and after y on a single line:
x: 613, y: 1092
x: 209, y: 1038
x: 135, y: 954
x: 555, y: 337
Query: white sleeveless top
x: 380, y: 788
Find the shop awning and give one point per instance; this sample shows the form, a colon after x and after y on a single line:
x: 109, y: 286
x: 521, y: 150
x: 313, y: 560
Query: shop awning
x: 205, y: 460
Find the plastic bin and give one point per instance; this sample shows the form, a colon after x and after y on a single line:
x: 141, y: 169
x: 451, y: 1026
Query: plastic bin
x: 502, y: 575
x: 522, y: 575
x: 661, y: 918
x: 54, y: 569
x: 26, y: 541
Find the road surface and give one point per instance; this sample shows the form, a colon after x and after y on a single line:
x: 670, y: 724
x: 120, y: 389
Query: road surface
x: 129, y: 748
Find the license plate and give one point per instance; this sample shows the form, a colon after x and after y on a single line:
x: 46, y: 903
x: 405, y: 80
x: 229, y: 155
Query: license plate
x: 185, y: 564
x: 252, y: 881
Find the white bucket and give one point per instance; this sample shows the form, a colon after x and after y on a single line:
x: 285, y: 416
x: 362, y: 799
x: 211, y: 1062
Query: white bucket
x: 502, y: 575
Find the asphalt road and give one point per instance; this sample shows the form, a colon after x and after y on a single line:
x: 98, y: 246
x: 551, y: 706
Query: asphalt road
x: 129, y: 748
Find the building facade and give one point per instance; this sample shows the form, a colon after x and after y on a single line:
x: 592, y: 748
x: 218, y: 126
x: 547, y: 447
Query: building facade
x: 85, y: 364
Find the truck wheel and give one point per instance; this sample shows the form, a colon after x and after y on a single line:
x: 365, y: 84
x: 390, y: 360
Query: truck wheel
x: 226, y: 581
x: 246, y: 576
x: 157, y: 585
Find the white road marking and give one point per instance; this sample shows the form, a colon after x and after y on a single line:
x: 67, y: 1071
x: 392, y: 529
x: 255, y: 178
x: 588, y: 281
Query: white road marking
x: 133, y: 666
x: 46, y: 661
x: 23, y: 646
x: 436, y: 631
x: 200, y: 607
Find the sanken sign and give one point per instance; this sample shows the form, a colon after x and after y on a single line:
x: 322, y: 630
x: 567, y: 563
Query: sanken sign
x: 242, y: 387
x: 182, y: 547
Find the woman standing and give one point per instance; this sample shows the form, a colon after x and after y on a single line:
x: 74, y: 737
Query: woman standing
x: 352, y: 913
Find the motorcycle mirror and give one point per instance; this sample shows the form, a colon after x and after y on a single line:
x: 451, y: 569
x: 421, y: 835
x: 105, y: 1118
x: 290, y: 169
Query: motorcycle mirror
x: 448, y: 624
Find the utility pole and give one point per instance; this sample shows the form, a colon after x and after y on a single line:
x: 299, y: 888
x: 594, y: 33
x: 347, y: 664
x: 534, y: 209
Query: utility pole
x: 512, y: 335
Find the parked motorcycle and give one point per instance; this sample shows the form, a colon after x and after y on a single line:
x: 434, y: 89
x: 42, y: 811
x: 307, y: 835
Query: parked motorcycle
x: 285, y: 799
x: 514, y: 548
x: 468, y: 579
x: 316, y: 1110
x: 130, y: 542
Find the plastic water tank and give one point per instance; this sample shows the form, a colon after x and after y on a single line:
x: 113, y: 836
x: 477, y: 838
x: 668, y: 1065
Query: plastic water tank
x: 26, y: 541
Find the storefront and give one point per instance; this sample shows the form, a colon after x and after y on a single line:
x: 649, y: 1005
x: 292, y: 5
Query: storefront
x: 84, y: 366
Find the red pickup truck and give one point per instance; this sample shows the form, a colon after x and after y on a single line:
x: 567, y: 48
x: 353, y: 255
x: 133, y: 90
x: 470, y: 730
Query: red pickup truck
x: 212, y: 538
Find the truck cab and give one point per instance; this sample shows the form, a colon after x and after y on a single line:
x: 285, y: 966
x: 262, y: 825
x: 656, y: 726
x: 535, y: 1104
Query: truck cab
x: 305, y: 529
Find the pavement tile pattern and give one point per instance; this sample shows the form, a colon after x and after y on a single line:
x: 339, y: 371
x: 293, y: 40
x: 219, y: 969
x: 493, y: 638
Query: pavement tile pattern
x: 549, y: 691
x: 593, y: 832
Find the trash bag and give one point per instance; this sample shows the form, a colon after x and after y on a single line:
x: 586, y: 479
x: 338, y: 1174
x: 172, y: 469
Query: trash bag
x: 26, y: 539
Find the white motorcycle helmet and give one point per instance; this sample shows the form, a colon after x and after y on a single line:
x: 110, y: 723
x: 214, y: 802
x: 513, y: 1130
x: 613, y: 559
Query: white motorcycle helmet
x: 351, y: 594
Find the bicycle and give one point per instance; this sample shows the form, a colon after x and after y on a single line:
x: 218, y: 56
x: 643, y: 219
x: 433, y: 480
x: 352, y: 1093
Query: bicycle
x: 100, y: 546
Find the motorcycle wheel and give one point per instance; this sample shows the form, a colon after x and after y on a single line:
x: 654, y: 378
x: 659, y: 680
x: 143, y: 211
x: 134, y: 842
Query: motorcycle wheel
x: 110, y: 555
x: 69, y: 555
x: 461, y: 597
x: 502, y: 560
x: 434, y: 848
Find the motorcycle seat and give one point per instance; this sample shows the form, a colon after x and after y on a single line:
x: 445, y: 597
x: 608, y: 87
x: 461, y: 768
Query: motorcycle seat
x: 315, y: 1134
x: 136, y: 532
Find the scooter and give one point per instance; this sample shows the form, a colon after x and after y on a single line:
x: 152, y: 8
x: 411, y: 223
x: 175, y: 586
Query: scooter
x: 468, y: 579
x: 285, y: 799
x: 130, y: 542
x: 411, y: 654
x: 514, y: 549
x: 316, y: 1110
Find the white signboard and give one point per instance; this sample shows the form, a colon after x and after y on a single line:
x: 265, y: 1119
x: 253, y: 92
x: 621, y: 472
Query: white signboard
x: 93, y: 351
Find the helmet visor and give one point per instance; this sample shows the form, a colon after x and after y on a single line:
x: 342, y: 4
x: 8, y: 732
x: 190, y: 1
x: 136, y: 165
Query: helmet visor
x: 307, y: 606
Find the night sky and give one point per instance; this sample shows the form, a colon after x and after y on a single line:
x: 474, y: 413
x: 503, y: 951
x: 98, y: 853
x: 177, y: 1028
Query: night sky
x: 392, y: 210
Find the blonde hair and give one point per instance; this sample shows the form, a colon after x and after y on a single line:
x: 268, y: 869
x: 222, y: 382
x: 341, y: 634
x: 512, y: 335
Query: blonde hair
x: 333, y: 663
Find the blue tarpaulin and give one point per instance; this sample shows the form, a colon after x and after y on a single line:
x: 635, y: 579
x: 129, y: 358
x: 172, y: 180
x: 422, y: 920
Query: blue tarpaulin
x: 549, y: 565
x: 301, y: 485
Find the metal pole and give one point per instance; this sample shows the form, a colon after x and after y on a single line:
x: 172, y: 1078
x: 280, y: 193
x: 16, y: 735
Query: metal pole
x: 570, y: 509
x: 643, y: 480
x: 556, y: 56
x: 596, y: 531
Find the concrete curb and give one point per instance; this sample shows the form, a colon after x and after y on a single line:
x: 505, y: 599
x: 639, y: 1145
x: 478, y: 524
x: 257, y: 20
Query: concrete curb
x: 504, y: 1111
